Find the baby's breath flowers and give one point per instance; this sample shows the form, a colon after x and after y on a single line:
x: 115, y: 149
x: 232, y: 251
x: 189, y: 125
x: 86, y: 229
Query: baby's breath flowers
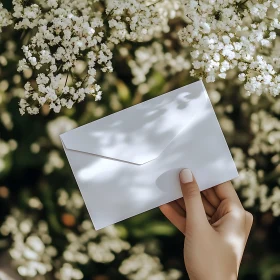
x: 130, y: 20
x: 234, y: 34
x: 32, y: 251
x: 5, y: 17
x: 67, y: 32
x: 142, y: 266
x: 63, y: 35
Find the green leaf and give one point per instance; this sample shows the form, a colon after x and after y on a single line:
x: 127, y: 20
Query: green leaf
x: 123, y: 91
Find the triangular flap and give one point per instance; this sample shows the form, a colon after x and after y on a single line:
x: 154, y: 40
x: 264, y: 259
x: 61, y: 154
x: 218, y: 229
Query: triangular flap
x: 140, y: 133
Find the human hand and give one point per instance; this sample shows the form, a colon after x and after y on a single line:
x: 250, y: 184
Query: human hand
x: 216, y: 228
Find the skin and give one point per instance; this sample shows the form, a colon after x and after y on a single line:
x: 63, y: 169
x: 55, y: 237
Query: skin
x: 216, y: 229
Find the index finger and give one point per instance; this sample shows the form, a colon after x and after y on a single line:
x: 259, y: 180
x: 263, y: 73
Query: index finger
x: 227, y: 191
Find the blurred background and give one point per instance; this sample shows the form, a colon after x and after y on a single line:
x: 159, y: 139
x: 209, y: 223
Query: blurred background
x: 45, y: 229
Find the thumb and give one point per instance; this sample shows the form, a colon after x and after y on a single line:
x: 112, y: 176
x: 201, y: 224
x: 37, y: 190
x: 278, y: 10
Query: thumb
x: 194, y: 207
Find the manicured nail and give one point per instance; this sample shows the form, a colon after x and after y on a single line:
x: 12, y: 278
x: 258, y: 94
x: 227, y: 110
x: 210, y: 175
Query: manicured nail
x: 186, y: 176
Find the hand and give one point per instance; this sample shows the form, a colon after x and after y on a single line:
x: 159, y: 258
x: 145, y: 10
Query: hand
x: 216, y: 228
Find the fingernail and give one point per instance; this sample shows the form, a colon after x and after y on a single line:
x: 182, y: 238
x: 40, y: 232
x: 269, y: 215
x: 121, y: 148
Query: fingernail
x: 186, y: 176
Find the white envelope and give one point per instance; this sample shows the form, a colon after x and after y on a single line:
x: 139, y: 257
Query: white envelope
x: 129, y: 162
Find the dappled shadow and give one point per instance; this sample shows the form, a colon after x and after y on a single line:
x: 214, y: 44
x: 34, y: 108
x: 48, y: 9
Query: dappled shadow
x: 137, y: 134
x: 114, y: 190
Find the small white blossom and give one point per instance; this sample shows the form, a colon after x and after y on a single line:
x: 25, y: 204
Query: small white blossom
x: 65, y: 32
x: 222, y: 37
x: 5, y: 17
x: 31, y: 250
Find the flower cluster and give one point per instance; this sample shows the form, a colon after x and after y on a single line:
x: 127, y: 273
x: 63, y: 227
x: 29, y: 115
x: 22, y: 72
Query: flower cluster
x: 5, y: 17
x: 34, y: 253
x: 130, y: 20
x: 84, y: 247
x: 143, y: 266
x: 5, y: 151
x: 31, y: 251
x: 254, y: 181
x: 68, y: 47
x: 230, y: 34
x: 157, y: 57
x: 66, y: 32
x: 70, y: 43
x: 256, y: 148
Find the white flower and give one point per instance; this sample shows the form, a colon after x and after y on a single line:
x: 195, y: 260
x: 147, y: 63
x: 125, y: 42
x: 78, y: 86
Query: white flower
x: 222, y: 75
x: 52, y: 3
x: 31, y: 250
x: 221, y: 31
x: 67, y: 31
x: 242, y: 77
x: 5, y: 17
x: 98, y: 96
x: 59, y: 126
x: 142, y: 266
x: 22, y: 65
x: 220, y: 35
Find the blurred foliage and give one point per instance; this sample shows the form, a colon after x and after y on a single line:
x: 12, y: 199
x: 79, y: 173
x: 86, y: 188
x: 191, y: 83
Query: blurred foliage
x: 39, y: 196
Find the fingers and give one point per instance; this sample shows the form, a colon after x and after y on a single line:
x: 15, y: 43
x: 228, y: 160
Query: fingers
x: 226, y: 207
x: 212, y: 197
x: 172, y: 212
x: 248, y: 223
x: 227, y: 191
x: 208, y: 207
x: 181, y: 202
x: 230, y: 219
x: 222, y: 197
x: 192, y: 198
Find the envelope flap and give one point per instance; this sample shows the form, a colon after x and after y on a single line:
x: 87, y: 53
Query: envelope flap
x: 140, y: 133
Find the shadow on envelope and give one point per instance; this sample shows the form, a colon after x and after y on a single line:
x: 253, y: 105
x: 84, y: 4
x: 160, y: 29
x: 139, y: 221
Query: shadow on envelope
x: 131, y: 164
x: 137, y: 134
